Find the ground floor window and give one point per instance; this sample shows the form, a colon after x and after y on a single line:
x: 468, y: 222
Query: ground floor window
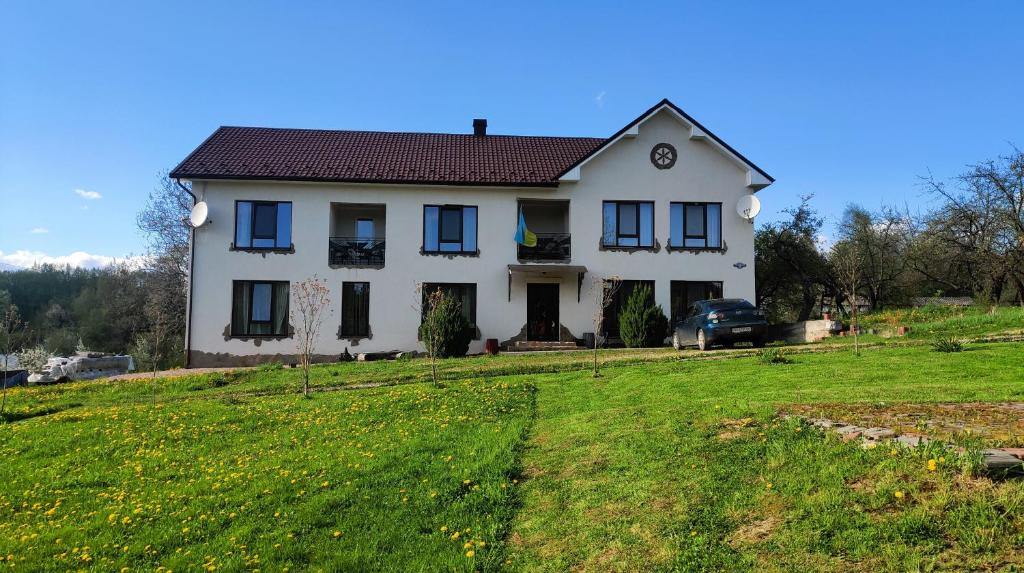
x: 465, y: 293
x: 259, y: 308
x: 355, y: 309
x: 685, y: 293
x: 610, y: 325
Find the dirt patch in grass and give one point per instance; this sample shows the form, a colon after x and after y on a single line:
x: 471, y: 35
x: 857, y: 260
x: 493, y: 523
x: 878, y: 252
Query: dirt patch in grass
x: 755, y: 532
x: 992, y: 424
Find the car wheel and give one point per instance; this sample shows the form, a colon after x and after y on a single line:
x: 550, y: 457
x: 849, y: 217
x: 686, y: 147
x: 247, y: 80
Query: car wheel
x: 702, y: 341
x: 676, y: 343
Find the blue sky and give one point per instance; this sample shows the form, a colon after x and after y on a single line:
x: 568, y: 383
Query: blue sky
x: 849, y: 101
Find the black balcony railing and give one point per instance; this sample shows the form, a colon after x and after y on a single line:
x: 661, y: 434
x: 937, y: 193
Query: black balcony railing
x: 355, y: 251
x: 550, y: 247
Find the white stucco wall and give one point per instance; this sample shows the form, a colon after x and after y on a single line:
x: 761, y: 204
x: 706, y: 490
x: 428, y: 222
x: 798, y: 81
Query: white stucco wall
x: 623, y: 171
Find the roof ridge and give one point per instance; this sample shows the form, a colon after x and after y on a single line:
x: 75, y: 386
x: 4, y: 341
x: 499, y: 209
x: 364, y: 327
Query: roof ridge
x: 383, y: 132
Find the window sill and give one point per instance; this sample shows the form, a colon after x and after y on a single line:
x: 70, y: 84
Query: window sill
x: 617, y: 248
x: 276, y: 250
x: 355, y: 266
x: 449, y: 253
x: 672, y: 249
x: 259, y: 336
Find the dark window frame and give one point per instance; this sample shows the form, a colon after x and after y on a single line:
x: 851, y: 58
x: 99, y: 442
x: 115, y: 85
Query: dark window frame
x: 366, y: 331
x: 704, y: 208
x: 248, y: 311
x: 682, y: 287
x: 614, y: 309
x: 252, y: 227
x: 427, y: 287
x: 462, y: 236
x: 619, y: 236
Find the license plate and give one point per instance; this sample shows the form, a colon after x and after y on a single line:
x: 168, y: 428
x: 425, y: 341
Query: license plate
x: 741, y: 329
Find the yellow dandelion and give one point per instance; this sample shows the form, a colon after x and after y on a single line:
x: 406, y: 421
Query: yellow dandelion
x: 932, y: 465
x: 337, y: 534
x: 470, y: 553
x: 899, y: 494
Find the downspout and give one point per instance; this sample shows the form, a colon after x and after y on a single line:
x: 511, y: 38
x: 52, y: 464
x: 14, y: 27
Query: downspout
x: 191, y: 271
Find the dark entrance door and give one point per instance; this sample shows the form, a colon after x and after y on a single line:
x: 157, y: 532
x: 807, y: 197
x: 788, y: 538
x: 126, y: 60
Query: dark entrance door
x: 542, y: 312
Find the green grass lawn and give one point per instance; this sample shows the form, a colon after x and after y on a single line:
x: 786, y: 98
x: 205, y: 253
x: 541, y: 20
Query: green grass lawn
x: 662, y: 463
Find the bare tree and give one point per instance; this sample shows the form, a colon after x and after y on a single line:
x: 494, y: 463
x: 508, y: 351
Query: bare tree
x: 12, y: 331
x: 311, y: 301
x: 604, y: 294
x: 846, y: 262
x: 163, y: 222
x: 429, y: 329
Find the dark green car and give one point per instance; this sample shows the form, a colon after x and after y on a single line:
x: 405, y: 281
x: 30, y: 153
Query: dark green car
x: 720, y: 321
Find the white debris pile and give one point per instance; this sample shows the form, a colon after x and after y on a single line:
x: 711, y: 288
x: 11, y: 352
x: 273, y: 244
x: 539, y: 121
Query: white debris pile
x: 82, y: 366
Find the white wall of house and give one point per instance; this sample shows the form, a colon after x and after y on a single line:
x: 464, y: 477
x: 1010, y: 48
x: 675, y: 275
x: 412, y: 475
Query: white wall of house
x: 621, y: 172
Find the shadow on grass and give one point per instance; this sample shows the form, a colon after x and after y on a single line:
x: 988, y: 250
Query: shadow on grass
x: 19, y: 416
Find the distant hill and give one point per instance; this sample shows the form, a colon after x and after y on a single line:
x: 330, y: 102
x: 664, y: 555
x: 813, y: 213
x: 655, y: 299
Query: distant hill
x: 7, y: 267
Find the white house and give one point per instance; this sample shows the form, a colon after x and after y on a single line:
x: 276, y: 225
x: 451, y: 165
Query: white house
x: 381, y: 216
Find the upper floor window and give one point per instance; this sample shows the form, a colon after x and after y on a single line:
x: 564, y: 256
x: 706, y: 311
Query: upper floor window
x: 263, y: 225
x: 259, y: 308
x: 695, y: 225
x: 449, y: 229
x: 628, y: 224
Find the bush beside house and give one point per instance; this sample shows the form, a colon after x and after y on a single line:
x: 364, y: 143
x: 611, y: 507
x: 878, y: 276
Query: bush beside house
x: 641, y: 322
x: 445, y: 332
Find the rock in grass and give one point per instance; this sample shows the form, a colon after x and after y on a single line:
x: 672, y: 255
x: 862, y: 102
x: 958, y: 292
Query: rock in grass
x: 999, y: 463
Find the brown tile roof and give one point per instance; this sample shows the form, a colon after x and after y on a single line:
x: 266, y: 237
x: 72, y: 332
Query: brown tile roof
x: 383, y: 157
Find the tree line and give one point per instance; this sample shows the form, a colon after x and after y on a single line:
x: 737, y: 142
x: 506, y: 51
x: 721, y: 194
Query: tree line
x: 969, y: 243
x: 126, y: 307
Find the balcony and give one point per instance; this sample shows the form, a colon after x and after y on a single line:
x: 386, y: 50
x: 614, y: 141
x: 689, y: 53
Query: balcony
x: 549, y: 220
x: 550, y: 247
x: 357, y: 235
x: 356, y: 252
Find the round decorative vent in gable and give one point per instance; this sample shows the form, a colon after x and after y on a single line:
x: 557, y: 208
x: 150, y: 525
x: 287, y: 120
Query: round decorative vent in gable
x: 663, y: 155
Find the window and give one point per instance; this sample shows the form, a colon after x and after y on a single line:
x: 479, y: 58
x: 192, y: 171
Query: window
x: 695, y: 225
x: 449, y: 229
x: 610, y: 325
x: 685, y: 293
x: 465, y: 293
x: 263, y: 225
x: 628, y: 224
x: 355, y: 309
x: 259, y: 308
x: 365, y: 230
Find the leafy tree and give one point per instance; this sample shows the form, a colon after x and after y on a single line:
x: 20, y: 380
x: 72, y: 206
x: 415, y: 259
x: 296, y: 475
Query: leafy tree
x: 642, y: 324
x: 792, y: 274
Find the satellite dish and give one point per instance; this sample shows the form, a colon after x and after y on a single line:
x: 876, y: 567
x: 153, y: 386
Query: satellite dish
x: 748, y: 207
x: 199, y: 215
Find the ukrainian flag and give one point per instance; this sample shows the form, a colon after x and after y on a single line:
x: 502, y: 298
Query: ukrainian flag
x: 524, y: 236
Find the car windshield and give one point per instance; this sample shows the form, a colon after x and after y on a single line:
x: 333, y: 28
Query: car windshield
x: 729, y: 304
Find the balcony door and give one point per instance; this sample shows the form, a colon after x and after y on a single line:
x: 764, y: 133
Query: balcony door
x: 542, y: 312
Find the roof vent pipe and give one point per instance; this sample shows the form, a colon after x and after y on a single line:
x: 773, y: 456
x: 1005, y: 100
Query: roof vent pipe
x: 479, y: 127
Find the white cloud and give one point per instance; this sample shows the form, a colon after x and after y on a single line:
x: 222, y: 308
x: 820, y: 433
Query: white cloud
x: 40, y: 230
x: 91, y: 195
x: 26, y: 259
x: 599, y: 99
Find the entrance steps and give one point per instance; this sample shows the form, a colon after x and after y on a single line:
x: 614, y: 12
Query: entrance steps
x: 537, y: 345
